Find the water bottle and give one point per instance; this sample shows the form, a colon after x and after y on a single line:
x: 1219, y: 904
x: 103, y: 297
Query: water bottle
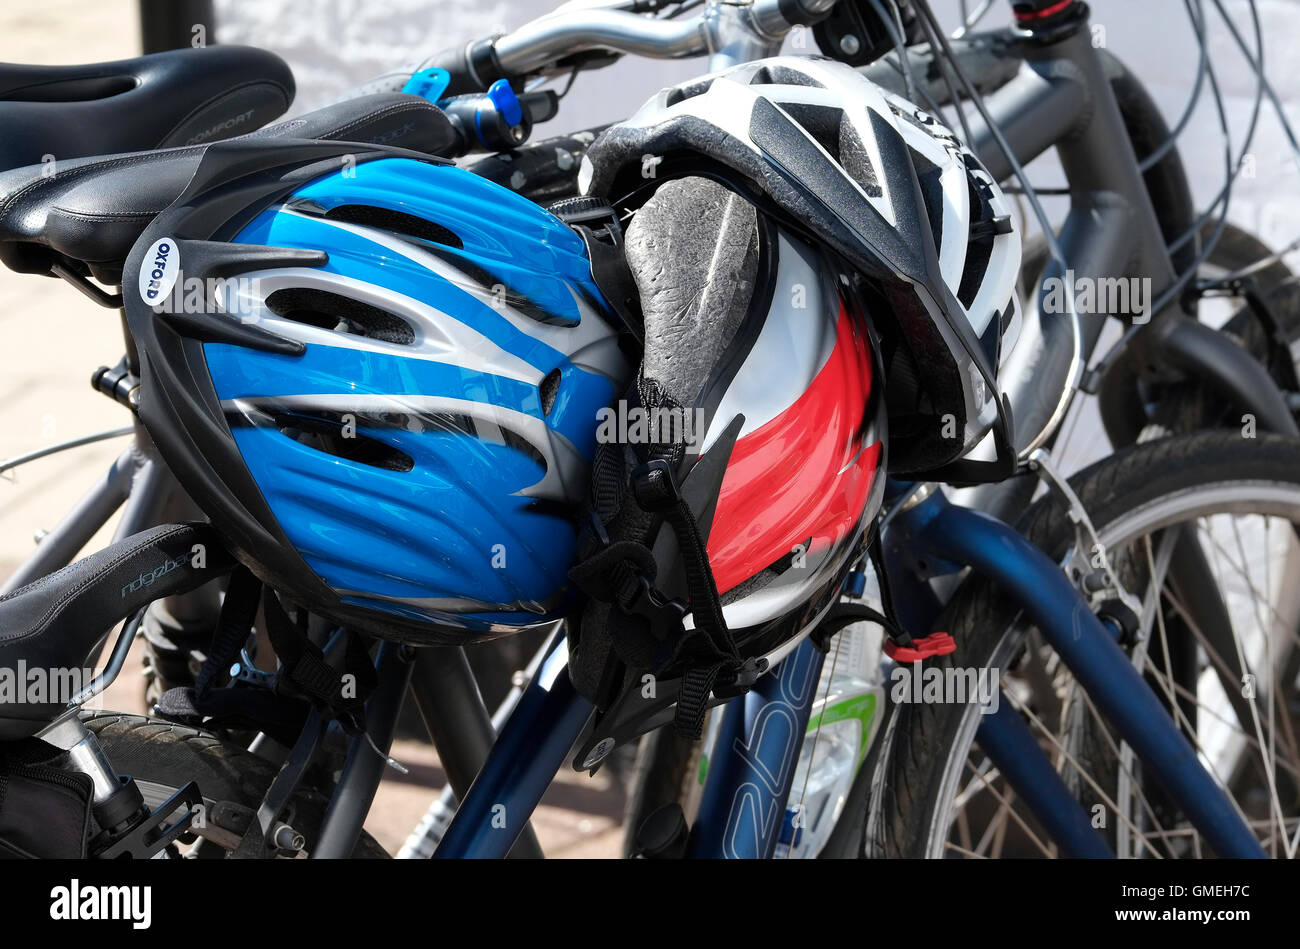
x: 844, y: 720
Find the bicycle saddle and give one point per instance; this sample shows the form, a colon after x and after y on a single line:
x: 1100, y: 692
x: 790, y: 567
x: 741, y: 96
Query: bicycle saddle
x: 180, y: 97
x: 50, y: 628
x: 91, y: 212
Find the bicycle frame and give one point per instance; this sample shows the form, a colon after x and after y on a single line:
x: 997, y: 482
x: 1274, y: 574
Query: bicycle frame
x: 959, y: 535
x: 1063, y: 97
x: 743, y: 807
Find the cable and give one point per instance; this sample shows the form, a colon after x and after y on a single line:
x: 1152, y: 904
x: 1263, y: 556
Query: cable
x: 1264, y: 262
x: 1232, y: 167
x: 910, y: 84
x: 683, y: 7
x: 1201, y: 68
x: 1224, y: 196
x: 1287, y: 129
x: 1259, y: 72
x: 1017, y: 169
x: 1050, y: 192
x: 930, y: 35
x: 1072, y: 311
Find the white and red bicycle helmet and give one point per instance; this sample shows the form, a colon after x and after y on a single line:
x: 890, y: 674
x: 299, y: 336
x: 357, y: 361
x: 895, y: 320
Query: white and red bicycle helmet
x: 765, y: 359
x: 889, y: 188
x: 782, y: 215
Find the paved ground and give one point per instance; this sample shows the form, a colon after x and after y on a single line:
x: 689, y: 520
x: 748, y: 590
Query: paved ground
x: 51, y: 339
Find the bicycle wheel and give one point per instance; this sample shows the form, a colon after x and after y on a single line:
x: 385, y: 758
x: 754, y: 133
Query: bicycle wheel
x: 163, y: 756
x: 1232, y: 691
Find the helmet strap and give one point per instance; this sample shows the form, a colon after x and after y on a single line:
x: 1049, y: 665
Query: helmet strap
x: 711, y: 657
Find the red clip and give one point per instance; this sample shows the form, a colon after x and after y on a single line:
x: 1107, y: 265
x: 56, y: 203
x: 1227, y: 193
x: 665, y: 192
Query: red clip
x: 936, y: 644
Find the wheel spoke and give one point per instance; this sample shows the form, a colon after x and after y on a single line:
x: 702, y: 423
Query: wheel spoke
x: 1002, y: 800
x: 1067, y: 757
x: 1194, y: 539
x: 1270, y: 771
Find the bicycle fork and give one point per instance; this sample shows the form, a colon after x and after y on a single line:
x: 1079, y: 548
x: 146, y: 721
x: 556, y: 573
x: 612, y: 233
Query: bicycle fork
x: 940, y: 529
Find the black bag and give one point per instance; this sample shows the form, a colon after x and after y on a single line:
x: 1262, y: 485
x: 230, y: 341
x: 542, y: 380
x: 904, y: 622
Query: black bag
x: 44, y: 811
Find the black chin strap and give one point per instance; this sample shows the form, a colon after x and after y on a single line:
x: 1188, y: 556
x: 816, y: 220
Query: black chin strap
x: 304, y: 672
x: 712, y: 661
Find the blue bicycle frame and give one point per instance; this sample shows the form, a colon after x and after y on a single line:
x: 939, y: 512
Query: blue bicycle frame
x: 938, y: 528
x: 744, y: 802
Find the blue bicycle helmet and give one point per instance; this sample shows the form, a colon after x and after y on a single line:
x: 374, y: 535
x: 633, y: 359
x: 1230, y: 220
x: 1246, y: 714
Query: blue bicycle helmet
x: 408, y: 375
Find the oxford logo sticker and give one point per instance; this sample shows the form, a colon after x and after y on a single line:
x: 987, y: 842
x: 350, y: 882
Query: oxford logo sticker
x: 158, y: 273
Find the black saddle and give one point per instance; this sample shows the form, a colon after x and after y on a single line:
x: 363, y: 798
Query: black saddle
x: 181, y: 97
x: 89, y: 214
x: 50, y: 628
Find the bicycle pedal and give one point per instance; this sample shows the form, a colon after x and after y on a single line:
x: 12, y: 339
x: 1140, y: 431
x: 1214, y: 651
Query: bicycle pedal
x: 153, y: 833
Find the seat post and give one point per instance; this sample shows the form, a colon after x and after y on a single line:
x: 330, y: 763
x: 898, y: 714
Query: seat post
x: 83, y: 753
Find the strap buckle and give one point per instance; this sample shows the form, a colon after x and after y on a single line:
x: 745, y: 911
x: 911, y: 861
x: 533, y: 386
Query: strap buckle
x: 740, y: 678
x: 664, y: 616
x: 246, y: 671
x: 654, y: 487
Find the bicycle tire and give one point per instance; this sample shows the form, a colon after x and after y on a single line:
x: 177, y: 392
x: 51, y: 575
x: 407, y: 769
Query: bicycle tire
x: 918, y: 752
x: 165, y: 754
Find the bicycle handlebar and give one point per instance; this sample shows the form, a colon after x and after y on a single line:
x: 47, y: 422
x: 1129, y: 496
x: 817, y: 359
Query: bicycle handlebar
x: 592, y: 33
x: 545, y: 43
x: 538, y: 44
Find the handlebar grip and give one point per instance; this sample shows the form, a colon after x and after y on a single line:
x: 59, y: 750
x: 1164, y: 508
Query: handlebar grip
x: 473, y: 68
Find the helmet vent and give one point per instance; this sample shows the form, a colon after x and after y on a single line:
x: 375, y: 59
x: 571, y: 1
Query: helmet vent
x: 822, y: 122
x: 783, y: 76
x: 688, y: 91
x: 930, y: 177
x: 332, y: 434
x: 854, y: 158
x: 549, y: 389
x: 827, y: 127
x: 333, y: 311
x: 980, y: 251
x: 341, y: 434
x: 398, y: 222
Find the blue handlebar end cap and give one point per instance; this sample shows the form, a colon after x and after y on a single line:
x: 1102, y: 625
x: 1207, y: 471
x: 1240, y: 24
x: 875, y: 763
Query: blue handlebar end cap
x: 428, y: 83
x: 507, y: 103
